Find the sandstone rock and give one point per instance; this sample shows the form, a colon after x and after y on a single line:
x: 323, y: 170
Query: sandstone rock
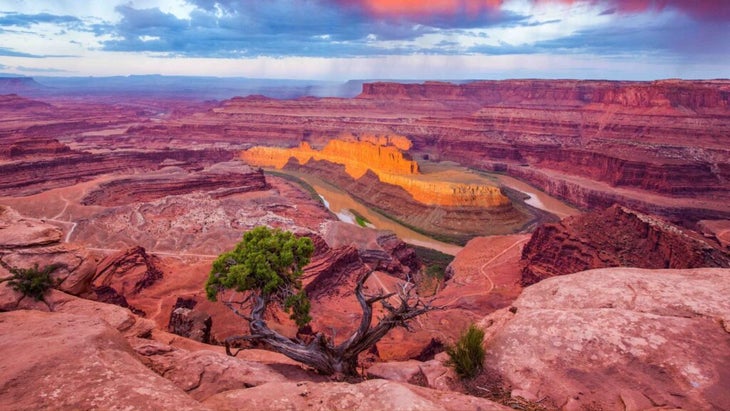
x: 26, y: 243
x: 30, y: 176
x: 694, y: 95
x: 381, y: 250
x: 368, y: 395
x: 122, y: 319
x: 389, y: 165
x: 567, y: 137
x: 432, y: 374
x: 198, y: 224
x: 614, y: 237
x: 17, y: 232
x: 65, y: 361
x: 618, y: 336
x: 108, y: 295
x: 75, y: 266
x: 128, y: 272
x: 14, y: 300
x: 220, y: 180
x: 719, y: 230
x: 334, y: 273
x: 203, y: 373
x: 190, y: 323
x: 455, y: 222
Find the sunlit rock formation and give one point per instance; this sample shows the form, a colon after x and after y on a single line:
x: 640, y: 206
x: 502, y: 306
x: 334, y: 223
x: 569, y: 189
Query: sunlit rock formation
x: 390, y: 165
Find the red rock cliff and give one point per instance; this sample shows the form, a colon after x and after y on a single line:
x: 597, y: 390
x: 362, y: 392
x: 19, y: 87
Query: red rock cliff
x: 615, y: 237
x: 551, y: 93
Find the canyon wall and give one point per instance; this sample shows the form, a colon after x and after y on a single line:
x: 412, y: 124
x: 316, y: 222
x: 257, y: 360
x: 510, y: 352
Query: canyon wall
x: 35, y: 175
x: 452, y: 224
x: 695, y: 95
x: 615, y: 237
x: 388, y: 164
x: 218, y: 180
x: 659, y: 147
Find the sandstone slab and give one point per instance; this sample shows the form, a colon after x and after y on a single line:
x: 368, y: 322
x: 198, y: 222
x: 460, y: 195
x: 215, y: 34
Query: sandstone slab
x: 431, y: 374
x: 616, y: 337
x: 203, y: 373
x: 366, y: 396
x: 65, y: 361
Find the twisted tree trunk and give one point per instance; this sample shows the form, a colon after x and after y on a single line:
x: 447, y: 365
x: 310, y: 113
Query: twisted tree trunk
x: 321, y: 353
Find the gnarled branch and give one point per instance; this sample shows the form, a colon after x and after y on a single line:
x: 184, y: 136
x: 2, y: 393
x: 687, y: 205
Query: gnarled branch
x: 321, y: 353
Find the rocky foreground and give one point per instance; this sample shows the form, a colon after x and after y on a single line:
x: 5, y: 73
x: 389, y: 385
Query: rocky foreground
x: 603, y: 339
x: 613, y: 338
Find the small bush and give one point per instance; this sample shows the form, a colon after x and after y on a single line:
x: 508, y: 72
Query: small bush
x: 32, y: 281
x: 467, y: 355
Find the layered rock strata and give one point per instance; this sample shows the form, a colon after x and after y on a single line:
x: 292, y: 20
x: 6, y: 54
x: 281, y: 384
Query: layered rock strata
x: 31, y: 176
x: 455, y: 224
x: 660, y: 147
x: 615, y: 237
x: 389, y: 164
x: 220, y: 180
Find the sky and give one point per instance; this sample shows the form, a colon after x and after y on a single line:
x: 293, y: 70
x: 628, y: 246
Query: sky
x: 368, y: 39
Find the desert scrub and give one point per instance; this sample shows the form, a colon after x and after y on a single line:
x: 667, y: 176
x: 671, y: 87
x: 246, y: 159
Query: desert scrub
x: 360, y: 219
x: 433, y: 273
x: 467, y: 355
x: 33, y: 282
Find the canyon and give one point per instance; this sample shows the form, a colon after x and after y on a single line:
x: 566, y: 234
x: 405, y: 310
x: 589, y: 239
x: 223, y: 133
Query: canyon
x: 378, y: 174
x: 610, y: 294
x: 657, y: 147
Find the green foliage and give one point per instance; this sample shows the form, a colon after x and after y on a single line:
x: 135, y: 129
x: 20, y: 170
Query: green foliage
x: 467, y: 355
x: 299, y: 305
x: 32, y: 281
x: 268, y: 262
x: 360, y: 219
x: 434, y: 261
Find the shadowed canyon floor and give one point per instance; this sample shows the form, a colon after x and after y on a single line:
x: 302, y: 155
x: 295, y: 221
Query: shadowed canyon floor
x: 133, y: 198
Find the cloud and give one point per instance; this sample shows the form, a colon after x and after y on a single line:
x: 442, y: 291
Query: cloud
x: 12, y: 53
x: 701, y: 10
x: 40, y: 70
x: 236, y: 28
x: 445, y: 14
x: 241, y: 28
x: 465, y: 10
x: 712, y: 10
x: 361, y: 28
x: 677, y: 38
x: 27, y: 20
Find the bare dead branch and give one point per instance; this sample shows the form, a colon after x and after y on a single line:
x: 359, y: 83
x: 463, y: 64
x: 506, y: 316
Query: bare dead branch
x: 373, y: 299
x: 235, y: 338
x: 320, y: 352
x: 236, y: 312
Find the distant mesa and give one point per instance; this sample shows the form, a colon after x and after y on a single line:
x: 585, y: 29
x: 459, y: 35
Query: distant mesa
x: 384, y: 156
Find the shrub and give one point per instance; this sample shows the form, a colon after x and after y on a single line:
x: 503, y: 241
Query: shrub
x: 32, y: 281
x: 467, y: 355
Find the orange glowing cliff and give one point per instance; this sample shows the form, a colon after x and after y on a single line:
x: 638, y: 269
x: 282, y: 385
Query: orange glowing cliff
x: 382, y: 156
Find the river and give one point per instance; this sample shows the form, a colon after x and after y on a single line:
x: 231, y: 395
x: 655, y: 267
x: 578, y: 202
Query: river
x: 341, y: 204
x: 537, y: 198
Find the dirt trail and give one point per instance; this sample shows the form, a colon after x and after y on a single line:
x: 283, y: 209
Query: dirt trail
x: 482, y: 271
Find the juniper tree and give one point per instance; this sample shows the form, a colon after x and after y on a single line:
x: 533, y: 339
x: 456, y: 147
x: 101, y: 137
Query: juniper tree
x: 265, y: 269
